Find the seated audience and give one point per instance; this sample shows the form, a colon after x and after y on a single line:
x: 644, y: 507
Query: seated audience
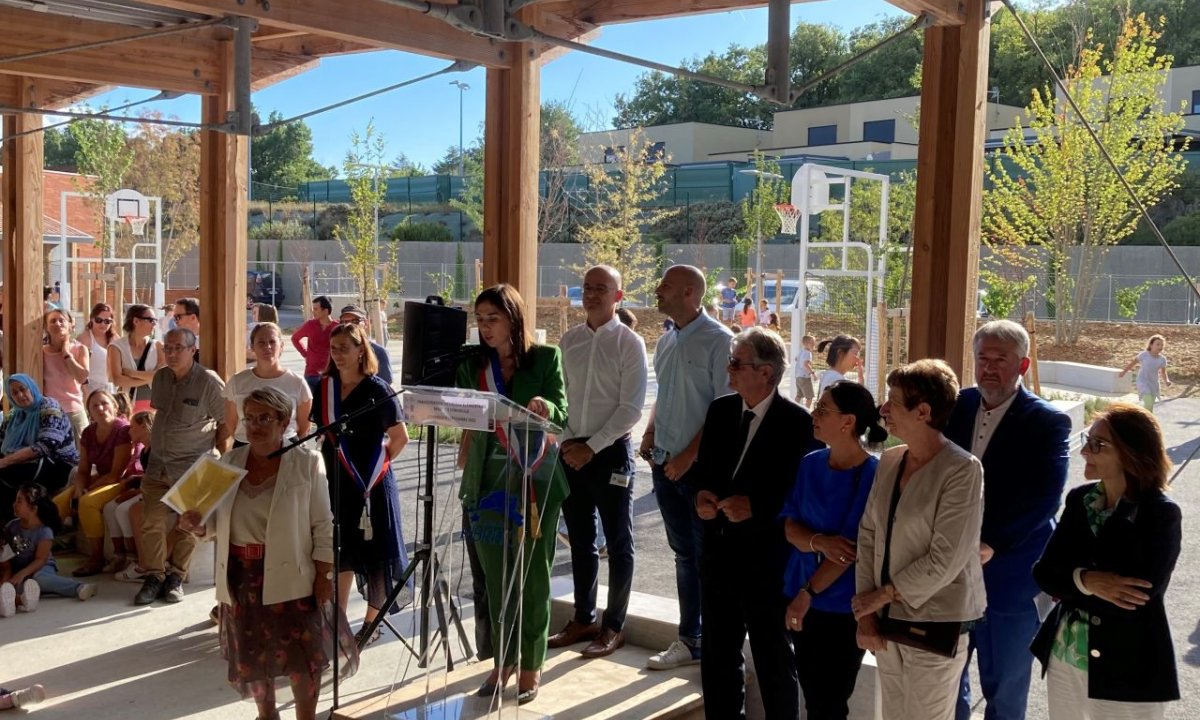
x: 120, y: 522
x: 32, y: 570
x: 36, y: 445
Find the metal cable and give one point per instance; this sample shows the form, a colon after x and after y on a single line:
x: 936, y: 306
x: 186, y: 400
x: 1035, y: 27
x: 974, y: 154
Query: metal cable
x: 1100, y: 146
x: 156, y: 33
x: 223, y: 127
x: 164, y: 95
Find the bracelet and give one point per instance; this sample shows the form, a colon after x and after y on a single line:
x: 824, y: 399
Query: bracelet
x: 809, y: 589
x: 812, y: 539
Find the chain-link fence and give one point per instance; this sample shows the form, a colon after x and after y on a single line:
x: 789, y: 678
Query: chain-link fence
x: 1152, y: 299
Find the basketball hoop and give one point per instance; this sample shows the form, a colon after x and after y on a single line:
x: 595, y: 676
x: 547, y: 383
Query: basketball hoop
x: 136, y: 223
x: 789, y: 215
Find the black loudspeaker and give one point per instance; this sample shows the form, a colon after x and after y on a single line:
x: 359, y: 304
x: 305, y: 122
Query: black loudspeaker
x: 433, y: 338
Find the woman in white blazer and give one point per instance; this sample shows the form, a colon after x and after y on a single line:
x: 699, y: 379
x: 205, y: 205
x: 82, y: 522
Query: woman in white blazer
x: 934, y: 572
x: 275, y: 565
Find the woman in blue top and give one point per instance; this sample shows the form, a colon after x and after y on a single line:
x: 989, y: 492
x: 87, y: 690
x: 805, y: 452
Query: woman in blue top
x: 821, y: 520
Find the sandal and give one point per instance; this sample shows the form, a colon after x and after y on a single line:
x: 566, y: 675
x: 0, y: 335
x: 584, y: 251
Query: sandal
x: 362, y: 640
x: 489, y: 686
x: 530, y: 694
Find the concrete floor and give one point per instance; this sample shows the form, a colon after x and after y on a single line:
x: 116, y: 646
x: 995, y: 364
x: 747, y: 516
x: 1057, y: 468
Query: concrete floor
x: 107, y: 659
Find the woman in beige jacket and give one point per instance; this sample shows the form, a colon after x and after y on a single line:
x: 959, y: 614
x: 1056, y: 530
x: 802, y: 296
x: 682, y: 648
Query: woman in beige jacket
x: 275, y: 565
x: 934, y: 573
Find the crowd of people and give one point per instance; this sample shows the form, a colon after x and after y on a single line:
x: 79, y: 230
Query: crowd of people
x: 789, y: 523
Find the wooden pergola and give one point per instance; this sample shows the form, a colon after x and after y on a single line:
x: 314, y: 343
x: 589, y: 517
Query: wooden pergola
x: 290, y: 36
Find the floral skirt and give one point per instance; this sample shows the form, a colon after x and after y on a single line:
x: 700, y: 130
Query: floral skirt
x: 293, y: 639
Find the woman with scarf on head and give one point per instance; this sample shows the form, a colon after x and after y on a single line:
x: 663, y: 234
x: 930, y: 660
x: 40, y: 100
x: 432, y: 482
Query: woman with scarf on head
x: 365, y: 501
x: 532, y: 376
x: 36, y: 442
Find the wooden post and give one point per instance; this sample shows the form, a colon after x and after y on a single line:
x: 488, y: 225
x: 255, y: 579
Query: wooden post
x: 224, y: 185
x: 1031, y: 328
x: 306, y: 296
x: 510, y: 169
x: 881, y: 322
x: 564, y: 305
x: 478, y: 278
x: 898, y: 319
x: 778, y: 291
x: 23, y: 219
x: 949, y: 190
x: 119, y: 301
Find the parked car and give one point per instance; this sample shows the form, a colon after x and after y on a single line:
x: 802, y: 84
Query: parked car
x: 264, y: 287
x: 817, y: 297
x: 575, y: 295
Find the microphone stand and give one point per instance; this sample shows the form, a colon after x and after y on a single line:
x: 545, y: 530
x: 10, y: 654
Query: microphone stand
x: 339, y: 426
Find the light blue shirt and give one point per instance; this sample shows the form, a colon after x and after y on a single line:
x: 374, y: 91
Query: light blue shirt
x: 690, y: 365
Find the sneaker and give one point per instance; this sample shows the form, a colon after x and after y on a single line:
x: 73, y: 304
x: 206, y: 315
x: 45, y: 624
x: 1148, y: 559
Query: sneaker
x: 131, y: 574
x: 31, y: 593
x: 151, y: 589
x: 115, y: 565
x: 677, y: 655
x: 86, y: 591
x: 8, y: 600
x: 172, y: 590
x: 31, y: 695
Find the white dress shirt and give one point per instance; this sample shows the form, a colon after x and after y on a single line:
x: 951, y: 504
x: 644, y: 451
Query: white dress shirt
x: 760, y: 411
x: 985, y: 425
x: 606, y: 377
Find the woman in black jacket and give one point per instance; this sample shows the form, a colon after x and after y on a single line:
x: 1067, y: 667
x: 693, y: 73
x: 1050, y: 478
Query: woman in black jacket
x: 1106, y: 648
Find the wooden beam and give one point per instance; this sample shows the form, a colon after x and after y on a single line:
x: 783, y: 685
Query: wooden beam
x: 224, y: 195
x: 22, y: 244
x: 310, y: 45
x: 943, y: 12
x: 608, y: 12
x: 949, y: 192
x: 52, y: 94
x: 510, y: 182
x: 179, y: 63
x: 269, y: 66
x: 369, y: 22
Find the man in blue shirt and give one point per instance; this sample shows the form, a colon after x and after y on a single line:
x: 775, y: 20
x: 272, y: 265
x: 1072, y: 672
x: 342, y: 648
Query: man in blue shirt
x: 690, y: 363
x: 729, y: 300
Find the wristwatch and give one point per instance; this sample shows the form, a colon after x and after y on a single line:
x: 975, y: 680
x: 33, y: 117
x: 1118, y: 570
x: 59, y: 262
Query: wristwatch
x: 808, y: 589
x: 328, y: 574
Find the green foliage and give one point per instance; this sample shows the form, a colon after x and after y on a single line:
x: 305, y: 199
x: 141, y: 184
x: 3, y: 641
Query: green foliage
x: 104, y: 153
x: 1128, y: 298
x: 409, y: 231
x: 712, y: 278
x: 617, y: 208
x: 284, y: 156
x: 445, y: 284
x: 1183, y: 231
x: 460, y: 273
x: 60, y: 149
x: 1003, y: 294
x: 164, y: 165
x: 364, y: 168
x: 701, y: 223
x: 1057, y: 192
x: 286, y: 230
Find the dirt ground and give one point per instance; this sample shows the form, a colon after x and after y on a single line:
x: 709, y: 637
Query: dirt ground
x: 1109, y: 344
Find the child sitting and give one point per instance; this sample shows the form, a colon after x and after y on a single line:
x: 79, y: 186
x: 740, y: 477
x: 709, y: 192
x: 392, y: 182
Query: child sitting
x: 25, y: 697
x: 31, y: 570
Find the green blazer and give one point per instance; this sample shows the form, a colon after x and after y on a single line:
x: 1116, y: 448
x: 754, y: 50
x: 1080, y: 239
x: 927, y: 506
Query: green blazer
x: 542, y: 376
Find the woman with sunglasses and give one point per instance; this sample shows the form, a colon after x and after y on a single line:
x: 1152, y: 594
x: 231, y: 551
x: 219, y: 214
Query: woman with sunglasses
x: 1106, y: 647
x: 138, y: 355
x: 97, y: 335
x: 65, y: 368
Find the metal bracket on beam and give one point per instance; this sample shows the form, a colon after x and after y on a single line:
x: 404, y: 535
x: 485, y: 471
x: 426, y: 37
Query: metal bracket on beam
x: 779, y: 71
x: 240, y: 120
x: 463, y: 17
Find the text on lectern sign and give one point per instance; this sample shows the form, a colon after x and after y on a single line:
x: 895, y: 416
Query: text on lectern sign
x: 425, y: 408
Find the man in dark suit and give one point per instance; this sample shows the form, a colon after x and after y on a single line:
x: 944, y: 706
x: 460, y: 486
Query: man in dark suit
x: 1022, y: 442
x: 750, y: 450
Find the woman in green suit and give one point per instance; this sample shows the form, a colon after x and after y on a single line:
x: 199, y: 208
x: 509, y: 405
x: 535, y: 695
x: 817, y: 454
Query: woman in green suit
x: 492, y: 489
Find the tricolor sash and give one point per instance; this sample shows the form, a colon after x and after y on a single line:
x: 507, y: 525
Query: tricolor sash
x: 331, y: 403
x: 526, y: 447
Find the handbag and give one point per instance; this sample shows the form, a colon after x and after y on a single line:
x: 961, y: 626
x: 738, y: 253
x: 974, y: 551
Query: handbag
x: 939, y: 638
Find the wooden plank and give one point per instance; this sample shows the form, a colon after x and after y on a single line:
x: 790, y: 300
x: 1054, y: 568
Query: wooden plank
x: 52, y: 94
x: 180, y: 63
x: 362, y: 21
x: 510, y: 183
x: 22, y: 243
x: 300, y: 43
x: 608, y: 12
x: 943, y: 12
x: 224, y: 196
x: 949, y: 192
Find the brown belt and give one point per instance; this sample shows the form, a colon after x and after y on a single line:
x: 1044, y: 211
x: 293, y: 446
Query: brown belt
x: 247, y: 552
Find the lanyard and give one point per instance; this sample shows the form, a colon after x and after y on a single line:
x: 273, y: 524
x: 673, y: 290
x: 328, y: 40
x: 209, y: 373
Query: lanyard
x: 331, y: 409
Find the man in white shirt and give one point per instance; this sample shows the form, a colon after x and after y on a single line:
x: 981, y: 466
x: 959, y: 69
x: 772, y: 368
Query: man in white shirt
x: 605, y: 367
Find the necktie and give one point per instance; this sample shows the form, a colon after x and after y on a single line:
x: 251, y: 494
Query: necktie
x: 744, y: 432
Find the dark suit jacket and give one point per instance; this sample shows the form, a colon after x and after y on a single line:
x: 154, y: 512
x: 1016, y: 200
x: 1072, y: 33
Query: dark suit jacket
x: 1132, y: 657
x: 766, y: 476
x: 1024, y: 475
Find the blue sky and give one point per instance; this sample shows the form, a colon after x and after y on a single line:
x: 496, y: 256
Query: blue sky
x: 422, y: 121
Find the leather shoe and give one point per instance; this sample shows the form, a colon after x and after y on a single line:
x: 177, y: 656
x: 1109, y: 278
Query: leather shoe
x: 574, y: 632
x: 605, y: 644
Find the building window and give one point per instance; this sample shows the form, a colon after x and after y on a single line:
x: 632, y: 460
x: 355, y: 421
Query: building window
x: 822, y: 135
x: 610, y: 154
x: 879, y: 131
x: 656, y: 152
x: 1196, y: 102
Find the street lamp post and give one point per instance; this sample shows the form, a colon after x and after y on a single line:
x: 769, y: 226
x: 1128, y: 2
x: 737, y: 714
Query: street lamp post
x: 758, y: 261
x: 462, y: 160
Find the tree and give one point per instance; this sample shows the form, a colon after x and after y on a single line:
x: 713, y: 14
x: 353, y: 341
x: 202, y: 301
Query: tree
x: 365, y: 175
x: 283, y: 157
x: 758, y: 208
x: 889, y: 72
x: 449, y: 164
x: 60, y: 148
x: 558, y: 139
x: 1057, y: 194
x: 619, y: 205
x: 103, y: 153
x: 166, y: 164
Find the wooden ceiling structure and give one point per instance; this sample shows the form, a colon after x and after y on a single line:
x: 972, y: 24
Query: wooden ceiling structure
x: 290, y: 36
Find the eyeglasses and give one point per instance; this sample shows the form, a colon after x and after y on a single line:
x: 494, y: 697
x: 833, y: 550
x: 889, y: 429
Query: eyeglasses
x: 264, y: 419
x: 147, y: 318
x: 821, y: 410
x: 176, y: 348
x: 735, y: 364
x: 102, y: 321
x: 1093, y: 443
x: 180, y: 316
x: 352, y: 320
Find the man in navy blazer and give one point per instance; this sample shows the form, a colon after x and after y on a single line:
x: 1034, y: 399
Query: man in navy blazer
x: 1022, y: 442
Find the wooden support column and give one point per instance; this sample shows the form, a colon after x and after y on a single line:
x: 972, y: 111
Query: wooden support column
x: 510, y: 174
x: 23, y: 216
x: 224, y: 186
x: 949, y: 191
